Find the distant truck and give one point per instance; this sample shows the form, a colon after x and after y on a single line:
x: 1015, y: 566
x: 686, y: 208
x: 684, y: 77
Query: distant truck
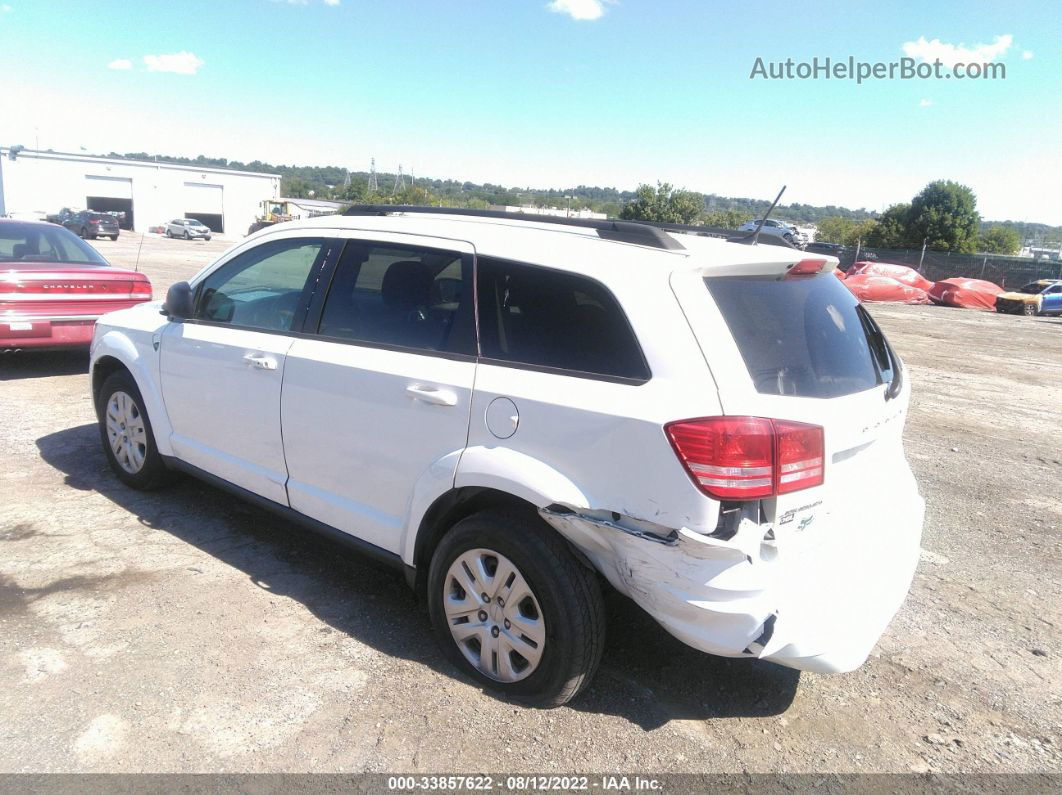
x: 1043, y: 297
x: 275, y: 211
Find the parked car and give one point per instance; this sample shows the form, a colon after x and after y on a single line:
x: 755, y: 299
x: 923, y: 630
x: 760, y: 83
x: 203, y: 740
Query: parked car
x: 774, y: 227
x: 61, y: 216
x: 89, y: 225
x: 1043, y: 297
x: 833, y: 249
x: 187, y: 228
x: 511, y: 410
x: 53, y: 286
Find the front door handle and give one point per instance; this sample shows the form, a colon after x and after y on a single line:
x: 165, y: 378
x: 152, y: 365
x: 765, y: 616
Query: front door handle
x: 261, y: 361
x: 433, y: 395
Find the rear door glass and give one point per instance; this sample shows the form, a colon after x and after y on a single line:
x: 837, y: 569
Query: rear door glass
x: 806, y: 337
x: 555, y: 320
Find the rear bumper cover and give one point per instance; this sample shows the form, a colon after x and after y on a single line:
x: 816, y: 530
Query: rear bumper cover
x: 46, y: 332
x: 815, y: 604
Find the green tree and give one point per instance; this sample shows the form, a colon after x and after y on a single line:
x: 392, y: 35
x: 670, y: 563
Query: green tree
x: 945, y: 215
x: 999, y: 240
x: 892, y: 229
x: 835, y: 229
x: 663, y: 203
x: 724, y: 219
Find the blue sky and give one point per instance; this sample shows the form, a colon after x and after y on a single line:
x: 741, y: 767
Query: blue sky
x: 516, y: 92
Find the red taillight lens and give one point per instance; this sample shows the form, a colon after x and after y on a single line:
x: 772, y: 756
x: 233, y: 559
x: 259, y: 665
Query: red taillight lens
x: 94, y: 221
x: 799, y: 452
x: 743, y: 458
x: 727, y: 457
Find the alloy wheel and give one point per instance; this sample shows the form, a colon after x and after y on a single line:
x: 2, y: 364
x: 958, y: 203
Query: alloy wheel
x: 494, y: 616
x: 126, y: 433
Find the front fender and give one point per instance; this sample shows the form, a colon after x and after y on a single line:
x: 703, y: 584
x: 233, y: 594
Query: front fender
x: 497, y: 468
x: 143, y: 365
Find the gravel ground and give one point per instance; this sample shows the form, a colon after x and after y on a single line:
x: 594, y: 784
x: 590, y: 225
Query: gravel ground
x: 183, y: 630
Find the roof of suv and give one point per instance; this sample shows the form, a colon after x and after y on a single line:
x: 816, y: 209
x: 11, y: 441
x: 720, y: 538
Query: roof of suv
x: 557, y: 245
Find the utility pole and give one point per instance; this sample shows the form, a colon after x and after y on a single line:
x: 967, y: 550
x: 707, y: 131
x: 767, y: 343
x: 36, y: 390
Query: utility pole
x: 925, y: 241
x: 374, y: 185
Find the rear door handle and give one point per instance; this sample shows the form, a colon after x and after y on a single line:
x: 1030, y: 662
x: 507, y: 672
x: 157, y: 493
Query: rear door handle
x: 261, y: 361
x: 430, y: 394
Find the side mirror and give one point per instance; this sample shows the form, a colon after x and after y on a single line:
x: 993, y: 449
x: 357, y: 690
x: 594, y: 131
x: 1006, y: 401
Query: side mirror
x: 179, y: 304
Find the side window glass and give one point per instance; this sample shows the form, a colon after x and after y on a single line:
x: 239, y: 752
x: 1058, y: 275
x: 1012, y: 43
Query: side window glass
x: 399, y: 295
x: 261, y: 288
x: 547, y: 318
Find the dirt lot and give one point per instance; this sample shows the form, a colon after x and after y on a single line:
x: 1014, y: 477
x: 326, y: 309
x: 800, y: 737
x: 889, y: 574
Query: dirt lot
x: 185, y: 631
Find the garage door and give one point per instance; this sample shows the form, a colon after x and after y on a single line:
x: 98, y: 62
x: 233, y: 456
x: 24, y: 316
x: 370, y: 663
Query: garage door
x: 204, y: 204
x: 110, y: 195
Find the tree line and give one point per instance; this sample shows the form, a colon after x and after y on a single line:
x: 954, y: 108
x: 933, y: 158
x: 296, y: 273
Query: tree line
x: 944, y: 213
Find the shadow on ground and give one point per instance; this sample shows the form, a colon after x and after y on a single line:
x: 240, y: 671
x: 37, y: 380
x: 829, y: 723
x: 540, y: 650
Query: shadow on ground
x: 646, y: 676
x: 30, y: 364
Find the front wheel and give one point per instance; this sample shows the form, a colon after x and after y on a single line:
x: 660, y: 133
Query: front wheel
x: 169, y: 233
x: 125, y: 430
x: 514, y: 608
x: 1029, y: 309
x: 187, y: 235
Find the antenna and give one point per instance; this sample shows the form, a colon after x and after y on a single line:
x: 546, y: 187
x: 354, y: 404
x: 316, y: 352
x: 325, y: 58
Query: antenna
x: 763, y: 220
x: 136, y: 268
x: 374, y: 186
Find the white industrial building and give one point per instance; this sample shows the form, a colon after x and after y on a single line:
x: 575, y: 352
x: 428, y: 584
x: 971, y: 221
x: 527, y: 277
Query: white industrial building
x: 35, y: 184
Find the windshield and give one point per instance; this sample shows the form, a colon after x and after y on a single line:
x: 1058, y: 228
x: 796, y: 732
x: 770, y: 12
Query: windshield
x: 37, y: 242
x: 1032, y: 289
x: 807, y: 337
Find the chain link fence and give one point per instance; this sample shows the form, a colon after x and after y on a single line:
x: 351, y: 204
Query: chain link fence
x: 1008, y: 272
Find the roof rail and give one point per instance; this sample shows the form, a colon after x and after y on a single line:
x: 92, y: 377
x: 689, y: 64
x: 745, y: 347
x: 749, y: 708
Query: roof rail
x: 621, y: 231
x: 642, y: 233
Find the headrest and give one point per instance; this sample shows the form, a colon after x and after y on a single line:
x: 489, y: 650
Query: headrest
x: 406, y: 285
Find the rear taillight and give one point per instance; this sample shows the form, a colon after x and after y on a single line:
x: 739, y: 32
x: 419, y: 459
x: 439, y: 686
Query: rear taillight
x: 94, y: 221
x: 745, y: 458
x: 799, y: 454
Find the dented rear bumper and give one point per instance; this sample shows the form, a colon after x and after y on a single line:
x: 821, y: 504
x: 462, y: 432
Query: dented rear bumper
x: 812, y: 601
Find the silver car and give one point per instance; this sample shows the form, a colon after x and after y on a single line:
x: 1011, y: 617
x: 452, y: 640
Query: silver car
x: 187, y: 228
x: 777, y: 228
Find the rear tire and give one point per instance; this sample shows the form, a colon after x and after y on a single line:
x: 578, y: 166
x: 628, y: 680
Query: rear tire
x: 82, y: 233
x: 126, y: 434
x: 557, y: 618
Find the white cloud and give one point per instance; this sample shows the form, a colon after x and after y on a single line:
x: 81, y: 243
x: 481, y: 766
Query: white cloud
x: 925, y: 103
x: 1026, y: 55
x: 331, y: 2
x: 181, y: 63
x: 5, y: 8
x: 120, y: 64
x: 951, y: 54
x: 579, y: 9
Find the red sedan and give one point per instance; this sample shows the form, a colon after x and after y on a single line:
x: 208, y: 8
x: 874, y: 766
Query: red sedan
x: 53, y: 287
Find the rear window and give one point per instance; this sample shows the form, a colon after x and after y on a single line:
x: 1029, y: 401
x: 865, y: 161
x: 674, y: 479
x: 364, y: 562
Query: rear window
x: 806, y: 337
x: 38, y: 242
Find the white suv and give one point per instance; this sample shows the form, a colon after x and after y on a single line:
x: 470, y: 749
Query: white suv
x: 513, y: 410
